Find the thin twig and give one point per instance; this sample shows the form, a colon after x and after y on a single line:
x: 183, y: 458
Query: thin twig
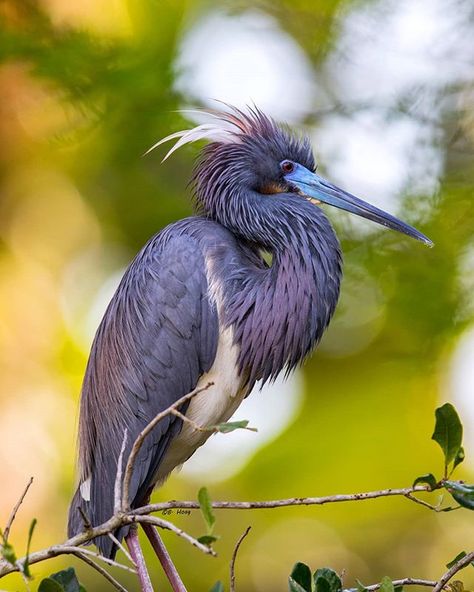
x: 453, y: 570
x: 85, y: 519
x: 6, y: 532
x: 118, y: 476
x: 292, y: 501
x: 141, y: 438
x: 74, y: 549
x: 122, y: 547
x: 191, y: 422
x: 170, y: 526
x: 101, y: 570
x: 234, y: 557
x: 403, y: 582
x: 417, y: 500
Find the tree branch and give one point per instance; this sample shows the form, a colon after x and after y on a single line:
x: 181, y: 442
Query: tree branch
x: 143, y: 515
x: 403, y: 582
x: 292, y: 501
x: 131, y: 518
x: 234, y: 557
x: 6, y: 532
x: 124, y: 515
x: 141, y: 438
x: 453, y: 570
x: 101, y: 570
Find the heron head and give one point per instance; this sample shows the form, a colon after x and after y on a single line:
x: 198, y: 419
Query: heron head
x: 249, y: 154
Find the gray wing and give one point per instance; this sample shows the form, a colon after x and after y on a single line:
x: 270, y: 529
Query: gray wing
x: 158, y: 336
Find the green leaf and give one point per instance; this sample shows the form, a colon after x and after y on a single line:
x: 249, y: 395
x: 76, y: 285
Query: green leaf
x: 459, y: 486
x: 218, y: 587
x: 327, y: 580
x: 301, y: 575
x: 460, y: 456
x: 360, y: 586
x: 464, y: 500
x: 462, y: 493
x: 230, y: 426
x: 456, y: 559
x: 8, y: 552
x: 293, y: 586
x: 26, y: 565
x: 50, y: 585
x: 428, y: 479
x: 386, y: 585
x: 206, y: 508
x: 61, y: 581
x: 448, y: 433
x: 208, y: 539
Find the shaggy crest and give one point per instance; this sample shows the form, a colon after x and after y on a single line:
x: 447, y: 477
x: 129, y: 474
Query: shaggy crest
x: 227, y: 127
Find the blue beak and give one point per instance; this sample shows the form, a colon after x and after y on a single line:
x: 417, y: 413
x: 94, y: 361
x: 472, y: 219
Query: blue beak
x: 315, y: 187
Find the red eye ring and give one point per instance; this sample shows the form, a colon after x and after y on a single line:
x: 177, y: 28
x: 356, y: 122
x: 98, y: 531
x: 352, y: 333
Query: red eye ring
x: 287, y: 166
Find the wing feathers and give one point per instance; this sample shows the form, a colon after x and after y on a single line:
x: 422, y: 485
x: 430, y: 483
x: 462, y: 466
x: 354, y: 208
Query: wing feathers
x: 158, y: 336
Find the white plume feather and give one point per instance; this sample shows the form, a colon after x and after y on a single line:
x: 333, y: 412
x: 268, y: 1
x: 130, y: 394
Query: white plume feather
x: 223, y: 129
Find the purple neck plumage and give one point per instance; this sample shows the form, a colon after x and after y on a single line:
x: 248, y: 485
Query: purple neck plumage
x: 278, y: 313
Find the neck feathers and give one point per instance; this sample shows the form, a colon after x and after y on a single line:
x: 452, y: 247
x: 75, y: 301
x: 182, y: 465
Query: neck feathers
x: 280, y: 313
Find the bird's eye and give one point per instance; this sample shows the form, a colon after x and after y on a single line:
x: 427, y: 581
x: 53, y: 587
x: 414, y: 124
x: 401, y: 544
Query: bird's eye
x: 287, y: 166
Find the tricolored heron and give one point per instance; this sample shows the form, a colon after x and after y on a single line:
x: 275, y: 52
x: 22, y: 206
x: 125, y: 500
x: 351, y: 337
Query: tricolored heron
x: 199, y: 303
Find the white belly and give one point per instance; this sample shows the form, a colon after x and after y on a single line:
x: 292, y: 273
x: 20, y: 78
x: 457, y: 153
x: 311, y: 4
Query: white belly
x: 214, y: 405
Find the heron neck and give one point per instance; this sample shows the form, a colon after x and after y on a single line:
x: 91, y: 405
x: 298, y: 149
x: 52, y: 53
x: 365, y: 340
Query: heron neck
x: 282, y: 312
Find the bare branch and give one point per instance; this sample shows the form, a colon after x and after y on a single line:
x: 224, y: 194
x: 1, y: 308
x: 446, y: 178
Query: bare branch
x: 101, y: 570
x: 73, y: 549
x: 141, y: 438
x: 142, y: 515
x: 453, y: 570
x: 436, y: 585
x: 403, y: 582
x: 417, y: 500
x: 192, y: 423
x: 85, y: 518
x: 122, y: 547
x: 292, y: 501
x: 234, y: 557
x: 6, y: 532
x: 170, y: 526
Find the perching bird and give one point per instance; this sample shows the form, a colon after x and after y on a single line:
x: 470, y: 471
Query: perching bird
x: 199, y: 303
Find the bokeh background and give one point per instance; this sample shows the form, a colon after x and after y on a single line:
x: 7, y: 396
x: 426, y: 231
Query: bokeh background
x: 385, y: 89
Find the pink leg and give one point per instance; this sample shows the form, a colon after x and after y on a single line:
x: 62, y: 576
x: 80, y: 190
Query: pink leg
x: 164, y: 558
x: 133, y: 545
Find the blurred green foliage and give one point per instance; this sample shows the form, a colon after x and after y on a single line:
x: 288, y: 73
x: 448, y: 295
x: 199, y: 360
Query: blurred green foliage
x: 85, y: 90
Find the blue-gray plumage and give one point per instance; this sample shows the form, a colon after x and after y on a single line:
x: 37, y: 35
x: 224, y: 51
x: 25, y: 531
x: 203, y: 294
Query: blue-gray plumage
x: 199, y: 301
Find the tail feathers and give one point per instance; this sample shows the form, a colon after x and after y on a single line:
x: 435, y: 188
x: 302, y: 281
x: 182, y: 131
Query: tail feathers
x: 95, y: 496
x: 76, y: 525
